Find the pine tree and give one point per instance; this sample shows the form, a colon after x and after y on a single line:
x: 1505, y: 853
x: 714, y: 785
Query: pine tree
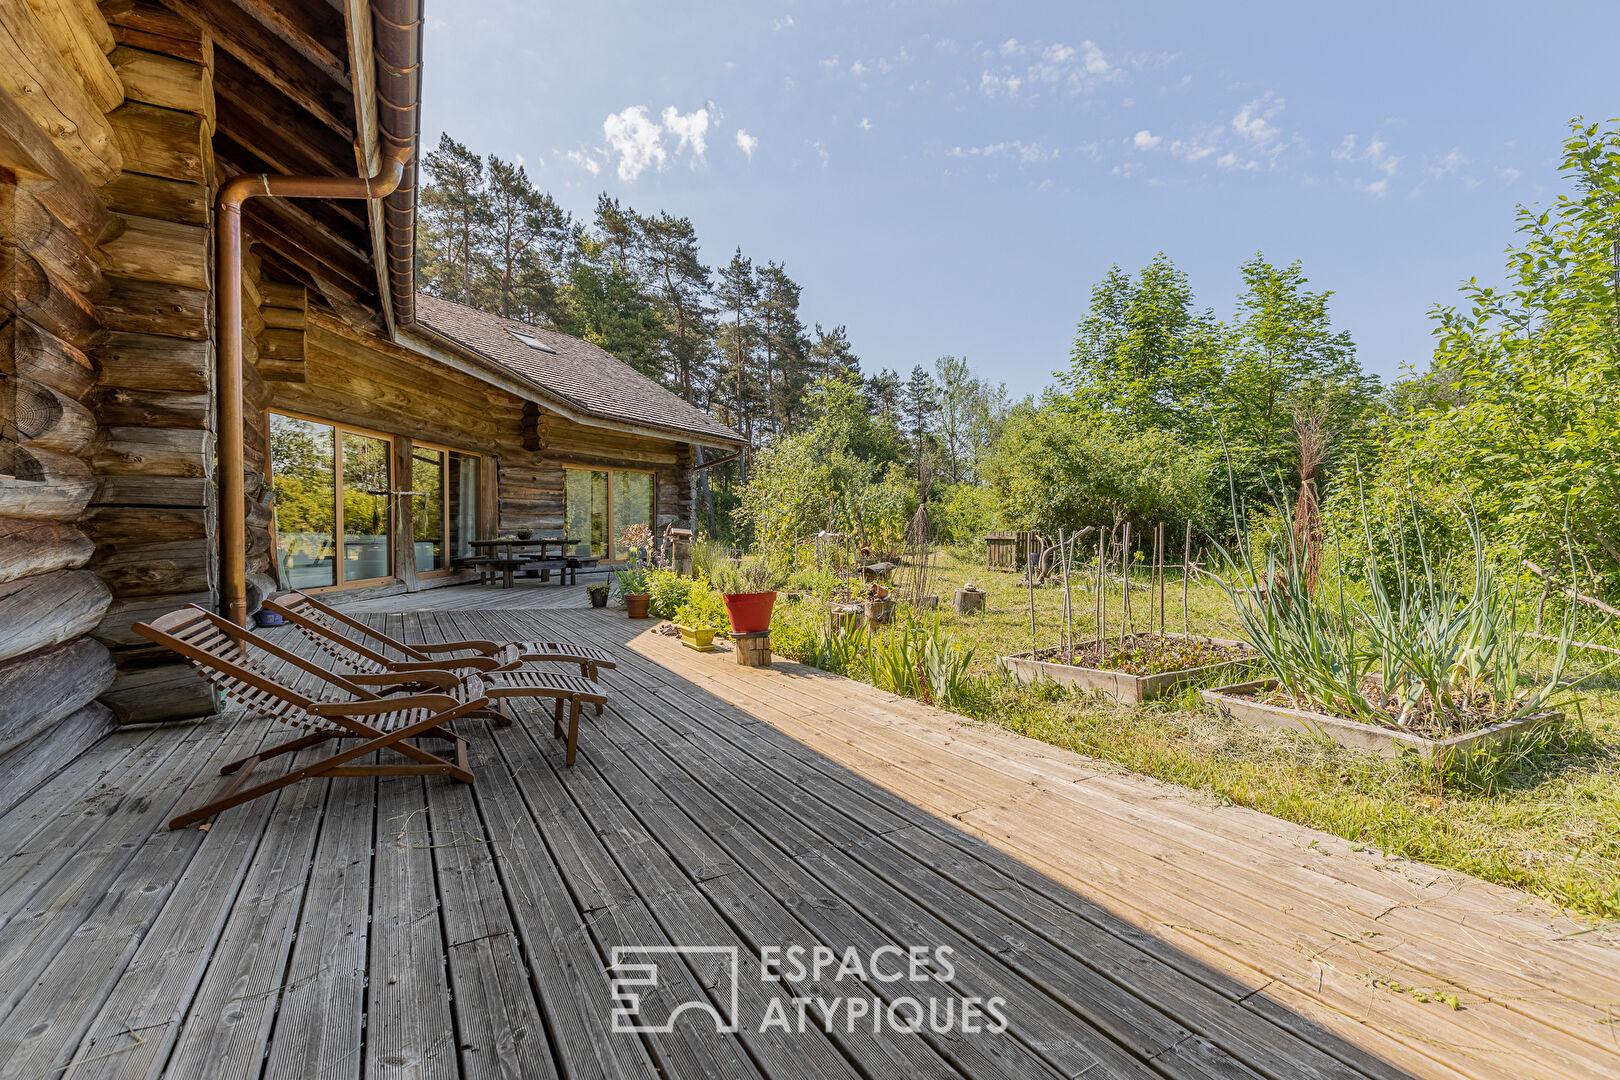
x: 785, y: 348
x: 736, y: 293
x: 680, y: 286
x: 831, y: 355
x: 883, y: 396
x: 454, y: 219
x: 529, y: 238
x: 918, y: 406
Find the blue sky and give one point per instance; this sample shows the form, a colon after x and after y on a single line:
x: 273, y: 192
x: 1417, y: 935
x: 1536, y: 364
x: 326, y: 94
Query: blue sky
x: 953, y: 178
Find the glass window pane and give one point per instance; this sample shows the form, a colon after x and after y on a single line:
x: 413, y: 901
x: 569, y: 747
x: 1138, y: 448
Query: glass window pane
x: 366, y: 527
x: 585, y: 507
x: 463, y: 504
x: 303, y: 473
x: 632, y: 504
x: 427, y: 506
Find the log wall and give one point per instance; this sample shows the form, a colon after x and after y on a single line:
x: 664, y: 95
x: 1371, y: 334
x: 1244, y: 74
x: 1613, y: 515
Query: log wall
x: 153, y: 516
x: 57, y: 84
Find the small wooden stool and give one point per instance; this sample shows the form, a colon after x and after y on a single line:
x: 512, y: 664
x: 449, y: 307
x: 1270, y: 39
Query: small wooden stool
x: 753, y: 650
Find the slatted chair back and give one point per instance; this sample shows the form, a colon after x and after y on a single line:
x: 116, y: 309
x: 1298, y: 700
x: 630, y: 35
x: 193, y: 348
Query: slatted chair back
x: 340, y: 635
x: 239, y: 663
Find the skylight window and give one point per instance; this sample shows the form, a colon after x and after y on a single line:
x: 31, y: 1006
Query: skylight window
x: 533, y: 342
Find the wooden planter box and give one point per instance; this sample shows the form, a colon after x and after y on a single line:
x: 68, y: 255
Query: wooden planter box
x: 1386, y: 742
x: 1123, y: 688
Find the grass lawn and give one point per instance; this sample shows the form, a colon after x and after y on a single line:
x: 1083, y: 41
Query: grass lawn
x: 1551, y: 825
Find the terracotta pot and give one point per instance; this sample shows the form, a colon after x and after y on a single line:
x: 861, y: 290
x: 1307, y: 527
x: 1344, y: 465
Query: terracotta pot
x: 635, y: 604
x: 750, y: 611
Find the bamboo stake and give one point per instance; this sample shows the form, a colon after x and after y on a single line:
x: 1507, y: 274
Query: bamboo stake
x: 1103, y: 544
x: 1186, y: 572
x: 1158, y: 545
x: 1125, y: 627
x: 1029, y: 575
x: 1068, y: 625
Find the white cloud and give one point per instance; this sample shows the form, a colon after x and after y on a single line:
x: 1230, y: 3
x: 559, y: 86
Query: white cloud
x: 585, y: 161
x: 831, y: 63
x: 1010, y: 47
x: 866, y: 123
x: 783, y: 23
x: 636, y: 139
x: 1026, y: 153
x: 994, y: 86
x: 857, y: 69
x: 821, y: 151
x: 1057, y: 66
x: 1057, y: 54
x: 1508, y: 175
x: 1376, y: 156
x: 1146, y: 140
x: 692, y: 129
x: 747, y: 143
x: 1253, y: 122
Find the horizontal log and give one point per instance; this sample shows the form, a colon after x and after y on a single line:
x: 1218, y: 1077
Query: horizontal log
x: 47, y: 173
x: 165, y: 81
x: 145, y: 525
x: 155, y: 569
x: 141, y: 39
x: 160, y: 142
x: 31, y: 225
x: 42, y: 687
x: 120, y: 406
x: 146, y: 362
x: 151, y: 17
x: 155, y: 695
x: 149, y: 249
x: 282, y: 371
x: 282, y: 294
x: 41, y: 484
x: 155, y: 197
x: 276, y: 344
x: 154, y: 491
x: 128, y: 305
x: 41, y: 296
x: 140, y: 451
x: 125, y: 612
x: 80, y: 35
x: 44, y: 610
x: 47, y: 419
x: 49, y: 91
x: 32, y: 764
x: 27, y: 352
x: 28, y: 548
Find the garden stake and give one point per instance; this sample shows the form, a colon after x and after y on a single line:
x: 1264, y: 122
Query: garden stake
x: 1068, y: 625
x: 1029, y: 575
x: 1125, y: 626
x: 1158, y: 544
x: 1186, y: 558
x: 1099, y: 605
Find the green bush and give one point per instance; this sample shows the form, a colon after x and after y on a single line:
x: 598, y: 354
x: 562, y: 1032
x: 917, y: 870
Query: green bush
x: 668, y: 590
x: 702, y: 607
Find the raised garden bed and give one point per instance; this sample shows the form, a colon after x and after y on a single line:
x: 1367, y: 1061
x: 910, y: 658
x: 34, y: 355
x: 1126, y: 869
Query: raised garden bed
x: 1124, y: 686
x: 1244, y: 702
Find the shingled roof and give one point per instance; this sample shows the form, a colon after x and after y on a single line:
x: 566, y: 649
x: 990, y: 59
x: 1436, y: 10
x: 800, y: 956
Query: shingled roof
x: 588, y: 378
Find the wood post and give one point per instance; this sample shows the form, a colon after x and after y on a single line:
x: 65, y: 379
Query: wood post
x: 753, y: 650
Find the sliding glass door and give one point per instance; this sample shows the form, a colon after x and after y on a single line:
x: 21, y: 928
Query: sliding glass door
x: 599, y: 503
x: 333, y: 525
x: 444, y: 505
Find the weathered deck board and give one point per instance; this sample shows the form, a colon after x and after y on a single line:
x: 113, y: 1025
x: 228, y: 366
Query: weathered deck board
x: 420, y: 927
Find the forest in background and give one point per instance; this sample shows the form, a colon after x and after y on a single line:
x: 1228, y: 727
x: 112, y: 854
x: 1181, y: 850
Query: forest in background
x: 1165, y: 411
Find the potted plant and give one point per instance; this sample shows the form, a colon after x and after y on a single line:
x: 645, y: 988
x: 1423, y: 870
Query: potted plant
x: 598, y: 594
x: 750, y: 593
x: 632, y: 582
x: 700, y: 617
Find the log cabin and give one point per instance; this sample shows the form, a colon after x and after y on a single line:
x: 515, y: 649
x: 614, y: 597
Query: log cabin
x: 218, y: 378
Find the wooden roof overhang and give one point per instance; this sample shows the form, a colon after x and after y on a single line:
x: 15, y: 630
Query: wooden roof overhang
x: 322, y: 88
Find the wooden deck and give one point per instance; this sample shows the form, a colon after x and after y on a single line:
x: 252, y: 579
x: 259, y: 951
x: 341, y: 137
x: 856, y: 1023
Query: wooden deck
x: 403, y: 927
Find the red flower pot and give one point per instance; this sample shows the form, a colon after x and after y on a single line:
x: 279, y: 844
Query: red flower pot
x: 635, y: 604
x: 750, y: 611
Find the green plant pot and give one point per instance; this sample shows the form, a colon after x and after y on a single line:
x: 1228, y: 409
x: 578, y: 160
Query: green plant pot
x: 700, y: 638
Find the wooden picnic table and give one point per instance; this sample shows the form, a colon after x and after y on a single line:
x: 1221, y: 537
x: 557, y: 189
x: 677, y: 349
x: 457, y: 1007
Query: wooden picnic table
x: 505, y: 555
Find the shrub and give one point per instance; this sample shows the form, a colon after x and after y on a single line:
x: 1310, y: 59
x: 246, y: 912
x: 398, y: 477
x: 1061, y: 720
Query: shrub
x: 702, y: 608
x: 668, y: 591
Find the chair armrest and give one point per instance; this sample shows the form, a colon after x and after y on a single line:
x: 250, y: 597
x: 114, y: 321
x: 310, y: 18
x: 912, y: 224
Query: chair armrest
x: 432, y: 702
x: 488, y: 648
x: 434, y: 676
x: 449, y: 663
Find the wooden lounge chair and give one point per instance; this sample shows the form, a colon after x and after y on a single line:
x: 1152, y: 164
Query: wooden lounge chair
x: 225, y: 654
x: 308, y: 613
x: 373, y: 668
